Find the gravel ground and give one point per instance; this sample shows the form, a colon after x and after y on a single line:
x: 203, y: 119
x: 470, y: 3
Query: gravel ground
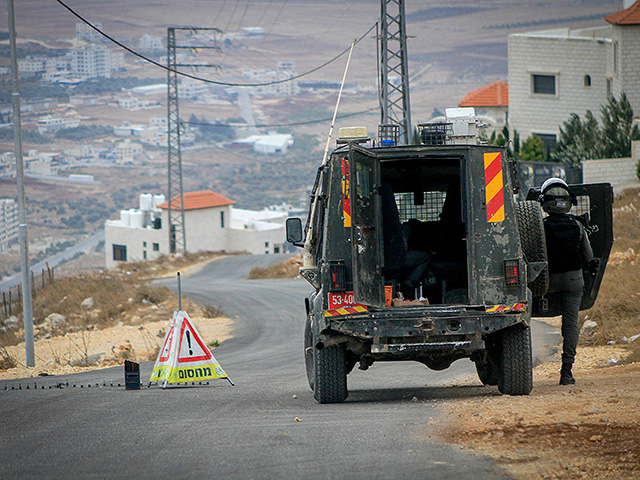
x: 587, y: 430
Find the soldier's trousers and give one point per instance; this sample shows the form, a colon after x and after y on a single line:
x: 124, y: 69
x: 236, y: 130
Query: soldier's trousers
x: 568, y: 288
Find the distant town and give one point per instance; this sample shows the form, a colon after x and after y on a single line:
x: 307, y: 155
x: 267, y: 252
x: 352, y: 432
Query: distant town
x: 95, y: 128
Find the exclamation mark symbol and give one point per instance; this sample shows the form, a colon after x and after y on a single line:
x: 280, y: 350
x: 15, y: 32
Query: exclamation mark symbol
x: 189, y: 342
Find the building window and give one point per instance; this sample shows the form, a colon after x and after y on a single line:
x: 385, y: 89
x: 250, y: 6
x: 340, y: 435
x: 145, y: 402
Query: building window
x: 156, y: 247
x: 120, y: 253
x: 543, y: 84
x: 608, y: 87
x: 221, y: 219
x: 548, y: 141
x: 587, y: 80
x: 615, y: 57
x: 266, y: 244
x: 144, y: 254
x: 144, y: 244
x: 276, y: 249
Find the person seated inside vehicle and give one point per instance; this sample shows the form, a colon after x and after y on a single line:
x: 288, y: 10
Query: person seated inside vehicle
x: 404, y: 266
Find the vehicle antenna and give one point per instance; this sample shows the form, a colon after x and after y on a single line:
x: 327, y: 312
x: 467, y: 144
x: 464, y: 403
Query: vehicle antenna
x: 306, y: 257
x: 335, y: 112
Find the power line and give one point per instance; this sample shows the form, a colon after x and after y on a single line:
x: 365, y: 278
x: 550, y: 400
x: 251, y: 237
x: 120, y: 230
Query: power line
x: 193, y: 77
x: 308, y: 122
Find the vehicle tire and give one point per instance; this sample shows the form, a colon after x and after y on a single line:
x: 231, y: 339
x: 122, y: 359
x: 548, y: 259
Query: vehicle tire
x: 533, y: 242
x: 308, y: 351
x: 330, y: 374
x: 516, y: 372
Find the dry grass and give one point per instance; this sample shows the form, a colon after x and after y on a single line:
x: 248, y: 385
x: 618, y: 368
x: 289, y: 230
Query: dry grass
x: 119, y: 296
x: 287, y: 269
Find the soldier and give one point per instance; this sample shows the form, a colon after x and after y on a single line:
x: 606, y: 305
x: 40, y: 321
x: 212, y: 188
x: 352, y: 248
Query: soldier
x: 568, y: 251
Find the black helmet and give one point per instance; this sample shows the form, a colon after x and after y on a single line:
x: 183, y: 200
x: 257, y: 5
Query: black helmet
x: 556, y: 196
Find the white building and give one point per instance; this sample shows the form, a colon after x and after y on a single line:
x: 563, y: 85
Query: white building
x: 273, y: 144
x: 211, y: 224
x: 189, y: 88
x: 284, y: 71
x: 86, y: 33
x: 8, y: 223
x: 159, y: 122
x: 554, y: 73
x: 91, y: 61
x: 270, y: 144
x: 31, y: 65
x: 53, y: 123
x: 149, y: 42
x: 129, y: 103
x: 127, y: 151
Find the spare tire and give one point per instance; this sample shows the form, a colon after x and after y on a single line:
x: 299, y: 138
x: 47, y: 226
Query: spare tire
x: 533, y: 242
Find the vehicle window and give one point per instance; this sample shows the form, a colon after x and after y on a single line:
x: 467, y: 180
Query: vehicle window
x: 429, y: 211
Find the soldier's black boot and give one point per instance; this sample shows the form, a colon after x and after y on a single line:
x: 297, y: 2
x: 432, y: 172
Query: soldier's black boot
x: 566, y: 378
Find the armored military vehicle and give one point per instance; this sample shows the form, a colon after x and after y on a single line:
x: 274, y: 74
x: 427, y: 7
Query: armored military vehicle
x: 423, y: 253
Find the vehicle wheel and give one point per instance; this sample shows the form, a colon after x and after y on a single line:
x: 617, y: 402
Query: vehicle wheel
x: 533, y: 242
x: 308, y: 351
x: 516, y: 372
x: 330, y: 374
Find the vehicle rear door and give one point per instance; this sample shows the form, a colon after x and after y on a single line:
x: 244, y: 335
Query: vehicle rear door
x: 595, y: 207
x: 595, y: 203
x: 366, y: 227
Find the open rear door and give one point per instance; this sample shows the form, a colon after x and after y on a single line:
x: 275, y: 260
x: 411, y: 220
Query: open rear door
x: 596, y: 200
x: 595, y: 207
x: 366, y: 227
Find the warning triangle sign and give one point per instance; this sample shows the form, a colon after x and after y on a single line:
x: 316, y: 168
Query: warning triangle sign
x: 184, y: 357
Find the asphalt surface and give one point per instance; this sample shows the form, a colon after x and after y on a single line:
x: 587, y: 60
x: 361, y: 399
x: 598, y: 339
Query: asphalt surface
x: 266, y: 426
x: 54, y: 260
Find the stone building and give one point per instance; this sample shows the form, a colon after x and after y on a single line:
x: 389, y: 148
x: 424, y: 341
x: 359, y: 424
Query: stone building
x: 554, y: 73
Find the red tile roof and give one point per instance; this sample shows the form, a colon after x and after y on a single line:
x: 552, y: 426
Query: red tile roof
x: 629, y: 16
x: 195, y: 200
x: 494, y: 95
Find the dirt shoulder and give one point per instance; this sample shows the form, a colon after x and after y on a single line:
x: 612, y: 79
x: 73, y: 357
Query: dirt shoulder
x: 588, y: 430
x: 95, y: 349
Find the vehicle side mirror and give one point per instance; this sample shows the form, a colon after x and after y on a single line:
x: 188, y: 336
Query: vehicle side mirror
x: 294, y: 231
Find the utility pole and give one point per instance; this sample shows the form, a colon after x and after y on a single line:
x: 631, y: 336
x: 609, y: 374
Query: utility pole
x: 176, y: 227
x: 394, y: 63
x: 27, y: 305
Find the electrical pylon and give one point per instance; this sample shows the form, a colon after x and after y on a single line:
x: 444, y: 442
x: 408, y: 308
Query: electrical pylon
x: 394, y: 94
x: 176, y: 227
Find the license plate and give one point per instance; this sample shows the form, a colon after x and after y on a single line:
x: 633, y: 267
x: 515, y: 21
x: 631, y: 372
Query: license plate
x: 339, y: 300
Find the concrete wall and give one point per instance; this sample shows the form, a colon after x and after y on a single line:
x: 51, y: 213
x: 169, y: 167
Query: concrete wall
x: 619, y: 172
x: 257, y: 241
x: 629, y: 67
x: 204, y: 228
x: 137, y: 240
x: 567, y: 57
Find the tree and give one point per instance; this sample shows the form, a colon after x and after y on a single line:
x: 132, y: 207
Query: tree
x: 579, y: 140
x: 502, y: 139
x: 587, y: 140
x: 618, y: 129
x: 533, y: 150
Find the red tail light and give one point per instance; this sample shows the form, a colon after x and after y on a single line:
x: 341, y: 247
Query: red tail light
x: 337, y: 277
x: 512, y: 273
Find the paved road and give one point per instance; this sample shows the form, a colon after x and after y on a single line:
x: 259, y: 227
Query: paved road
x: 55, y: 260
x: 248, y: 431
